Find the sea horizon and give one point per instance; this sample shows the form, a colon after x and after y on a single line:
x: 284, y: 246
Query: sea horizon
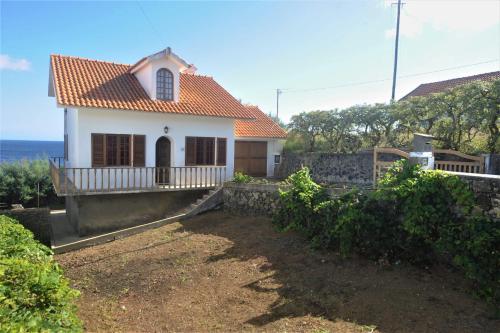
x: 19, y: 150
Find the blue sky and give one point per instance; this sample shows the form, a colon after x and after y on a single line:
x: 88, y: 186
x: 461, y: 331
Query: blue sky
x: 251, y: 48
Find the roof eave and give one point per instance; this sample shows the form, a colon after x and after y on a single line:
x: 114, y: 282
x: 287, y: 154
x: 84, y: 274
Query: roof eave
x: 158, y: 55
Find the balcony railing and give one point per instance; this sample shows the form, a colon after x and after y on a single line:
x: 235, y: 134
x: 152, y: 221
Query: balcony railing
x: 78, y: 181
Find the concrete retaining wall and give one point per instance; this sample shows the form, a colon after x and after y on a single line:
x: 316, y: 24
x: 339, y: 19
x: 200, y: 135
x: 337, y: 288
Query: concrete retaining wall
x: 94, y: 214
x: 34, y: 219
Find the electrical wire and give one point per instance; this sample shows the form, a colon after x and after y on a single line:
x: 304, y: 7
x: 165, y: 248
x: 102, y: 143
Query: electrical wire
x: 352, y: 84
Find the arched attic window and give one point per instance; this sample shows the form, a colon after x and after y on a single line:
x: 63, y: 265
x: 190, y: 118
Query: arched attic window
x: 164, y: 85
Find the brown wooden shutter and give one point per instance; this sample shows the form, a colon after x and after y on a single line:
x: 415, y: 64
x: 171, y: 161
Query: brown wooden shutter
x: 209, y: 151
x: 139, y: 150
x: 98, y: 147
x: 221, y: 151
x: 190, y: 151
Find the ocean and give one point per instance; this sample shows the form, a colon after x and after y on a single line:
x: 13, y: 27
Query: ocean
x: 17, y: 150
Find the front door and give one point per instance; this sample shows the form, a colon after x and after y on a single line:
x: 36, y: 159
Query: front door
x: 162, y: 160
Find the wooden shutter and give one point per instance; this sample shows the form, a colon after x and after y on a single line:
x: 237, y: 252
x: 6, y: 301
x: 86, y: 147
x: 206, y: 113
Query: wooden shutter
x: 209, y: 151
x: 98, y: 147
x: 221, y: 151
x: 112, y: 151
x: 190, y: 151
x: 139, y: 150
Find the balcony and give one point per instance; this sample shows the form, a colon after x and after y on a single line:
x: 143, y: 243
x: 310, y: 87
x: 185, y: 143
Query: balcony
x: 108, y: 180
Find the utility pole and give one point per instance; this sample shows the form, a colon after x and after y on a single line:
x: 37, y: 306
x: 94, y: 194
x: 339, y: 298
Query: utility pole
x: 278, y: 93
x: 396, y: 53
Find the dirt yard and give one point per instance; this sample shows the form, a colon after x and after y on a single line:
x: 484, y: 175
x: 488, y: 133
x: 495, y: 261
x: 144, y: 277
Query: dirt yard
x: 223, y: 273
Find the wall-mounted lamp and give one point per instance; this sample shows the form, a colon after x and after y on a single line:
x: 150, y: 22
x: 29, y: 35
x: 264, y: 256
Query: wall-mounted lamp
x: 165, y: 129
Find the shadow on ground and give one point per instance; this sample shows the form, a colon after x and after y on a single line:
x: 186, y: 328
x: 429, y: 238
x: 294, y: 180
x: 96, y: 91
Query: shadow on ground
x: 321, y: 284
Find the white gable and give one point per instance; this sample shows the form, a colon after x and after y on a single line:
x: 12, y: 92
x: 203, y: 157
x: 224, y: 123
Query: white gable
x: 145, y: 70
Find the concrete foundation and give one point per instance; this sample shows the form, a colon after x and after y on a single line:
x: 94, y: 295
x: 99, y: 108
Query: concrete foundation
x: 95, y: 214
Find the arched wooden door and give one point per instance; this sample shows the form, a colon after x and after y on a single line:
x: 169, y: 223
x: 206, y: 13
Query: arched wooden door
x: 162, y: 160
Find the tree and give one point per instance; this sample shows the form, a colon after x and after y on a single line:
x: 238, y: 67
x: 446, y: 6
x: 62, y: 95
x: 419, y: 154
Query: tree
x: 490, y: 114
x: 309, y: 126
x: 465, y: 118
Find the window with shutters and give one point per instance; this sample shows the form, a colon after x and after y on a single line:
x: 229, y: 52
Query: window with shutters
x: 116, y: 150
x: 221, y: 151
x: 200, y: 151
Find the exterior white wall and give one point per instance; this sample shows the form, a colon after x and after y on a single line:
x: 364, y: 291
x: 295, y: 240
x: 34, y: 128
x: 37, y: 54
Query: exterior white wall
x: 72, y: 131
x: 274, y: 147
x: 147, y: 76
x: 151, y: 125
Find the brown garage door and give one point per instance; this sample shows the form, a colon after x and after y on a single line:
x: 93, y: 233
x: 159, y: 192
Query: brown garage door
x: 250, y: 157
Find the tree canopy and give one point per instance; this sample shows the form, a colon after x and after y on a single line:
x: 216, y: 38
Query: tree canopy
x: 465, y: 118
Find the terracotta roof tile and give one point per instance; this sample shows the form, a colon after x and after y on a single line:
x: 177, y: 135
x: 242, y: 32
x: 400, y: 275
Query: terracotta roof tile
x: 441, y: 86
x: 90, y: 83
x: 263, y: 126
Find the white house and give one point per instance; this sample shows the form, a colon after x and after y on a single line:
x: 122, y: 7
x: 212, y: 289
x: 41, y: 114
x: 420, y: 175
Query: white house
x: 144, y: 140
x: 154, y: 125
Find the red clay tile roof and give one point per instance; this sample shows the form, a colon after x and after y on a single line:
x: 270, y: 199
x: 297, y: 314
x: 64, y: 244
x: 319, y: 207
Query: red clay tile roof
x: 98, y: 84
x: 441, y: 86
x: 262, y: 127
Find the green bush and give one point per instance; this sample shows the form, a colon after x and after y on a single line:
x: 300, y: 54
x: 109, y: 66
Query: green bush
x: 34, y: 294
x: 416, y: 216
x: 18, y: 183
x: 241, y: 178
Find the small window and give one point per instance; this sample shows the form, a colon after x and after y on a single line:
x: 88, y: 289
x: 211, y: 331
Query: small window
x: 277, y: 159
x: 164, y: 85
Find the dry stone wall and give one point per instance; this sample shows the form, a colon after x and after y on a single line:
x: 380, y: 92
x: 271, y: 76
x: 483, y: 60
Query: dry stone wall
x: 263, y: 199
x: 327, y: 168
x: 486, y: 188
x: 258, y: 199
x: 251, y: 199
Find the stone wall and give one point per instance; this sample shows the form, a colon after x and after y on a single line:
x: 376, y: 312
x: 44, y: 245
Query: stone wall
x: 487, y: 191
x: 258, y: 199
x: 328, y: 168
x: 251, y: 199
x: 34, y: 219
x: 263, y: 199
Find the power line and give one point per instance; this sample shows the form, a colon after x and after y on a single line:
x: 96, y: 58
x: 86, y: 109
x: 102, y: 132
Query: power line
x: 147, y: 19
x: 352, y: 84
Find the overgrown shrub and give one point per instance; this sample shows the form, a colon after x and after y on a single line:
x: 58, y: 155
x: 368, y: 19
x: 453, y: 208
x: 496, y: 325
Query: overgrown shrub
x: 18, y: 183
x: 417, y: 216
x: 34, y: 294
x: 240, y: 177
